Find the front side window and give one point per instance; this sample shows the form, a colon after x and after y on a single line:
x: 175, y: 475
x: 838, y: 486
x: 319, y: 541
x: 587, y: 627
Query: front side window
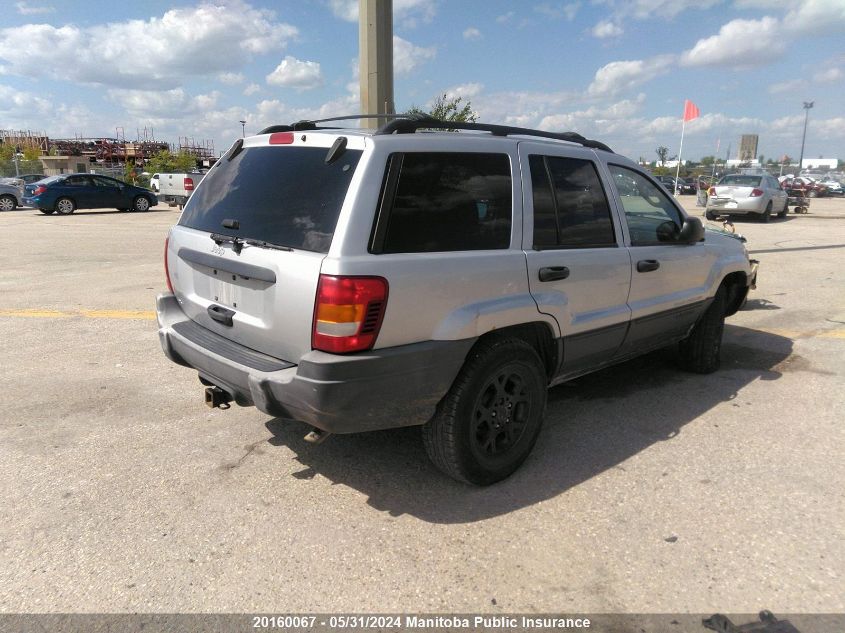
x: 444, y: 201
x: 570, y: 206
x: 651, y: 216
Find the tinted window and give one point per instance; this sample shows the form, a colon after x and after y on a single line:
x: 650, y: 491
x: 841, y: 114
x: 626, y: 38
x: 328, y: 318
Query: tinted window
x: 283, y: 195
x: 570, y: 206
x: 77, y: 181
x: 100, y: 181
x: 652, y: 218
x: 447, y: 202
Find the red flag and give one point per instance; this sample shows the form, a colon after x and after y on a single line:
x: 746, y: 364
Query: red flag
x: 691, y: 111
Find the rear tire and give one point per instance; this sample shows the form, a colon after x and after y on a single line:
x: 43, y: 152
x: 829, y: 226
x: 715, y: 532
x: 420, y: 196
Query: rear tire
x: 783, y: 213
x: 46, y: 211
x: 65, y: 206
x: 8, y: 203
x: 141, y: 203
x: 701, y: 351
x: 488, y: 422
x: 767, y: 214
x: 709, y: 215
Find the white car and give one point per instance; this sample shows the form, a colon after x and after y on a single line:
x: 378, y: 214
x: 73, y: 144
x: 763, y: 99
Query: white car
x: 746, y: 194
x: 154, y: 183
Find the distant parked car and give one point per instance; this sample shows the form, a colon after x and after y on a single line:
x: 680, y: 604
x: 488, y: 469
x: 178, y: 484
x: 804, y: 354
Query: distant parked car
x: 668, y: 183
x: 154, y: 183
x: 686, y: 186
x: 834, y: 187
x: 744, y: 194
x: 10, y: 197
x: 812, y: 188
x: 66, y: 193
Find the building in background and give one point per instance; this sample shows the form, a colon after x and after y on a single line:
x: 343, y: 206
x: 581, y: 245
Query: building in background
x: 748, y: 147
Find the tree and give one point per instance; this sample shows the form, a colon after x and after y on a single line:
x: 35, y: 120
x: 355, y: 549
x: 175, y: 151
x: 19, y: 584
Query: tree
x: 31, y: 153
x: 7, y: 152
x: 446, y: 109
x: 708, y: 160
x: 662, y: 155
x: 165, y: 162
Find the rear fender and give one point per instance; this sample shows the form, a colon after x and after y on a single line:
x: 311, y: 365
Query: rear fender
x: 477, y: 319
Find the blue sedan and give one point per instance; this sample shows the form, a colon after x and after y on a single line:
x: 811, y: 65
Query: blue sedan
x: 66, y: 193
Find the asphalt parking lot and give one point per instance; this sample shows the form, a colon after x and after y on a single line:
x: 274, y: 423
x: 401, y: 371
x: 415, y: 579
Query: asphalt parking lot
x: 650, y: 490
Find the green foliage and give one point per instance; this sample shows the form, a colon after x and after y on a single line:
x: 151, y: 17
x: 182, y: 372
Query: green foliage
x: 447, y: 109
x: 708, y: 160
x: 6, y: 151
x: 165, y: 162
x: 31, y: 153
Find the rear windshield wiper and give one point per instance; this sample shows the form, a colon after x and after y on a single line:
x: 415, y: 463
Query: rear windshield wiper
x: 239, y: 242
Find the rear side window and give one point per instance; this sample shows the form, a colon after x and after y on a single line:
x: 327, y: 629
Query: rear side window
x: 287, y: 196
x: 444, y: 201
x: 570, y: 206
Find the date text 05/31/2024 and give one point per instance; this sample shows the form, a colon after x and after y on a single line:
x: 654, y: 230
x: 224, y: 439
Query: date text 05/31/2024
x: 418, y: 621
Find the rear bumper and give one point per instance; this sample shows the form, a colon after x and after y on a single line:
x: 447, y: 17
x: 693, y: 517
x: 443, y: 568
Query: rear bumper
x: 736, y: 207
x: 379, y: 389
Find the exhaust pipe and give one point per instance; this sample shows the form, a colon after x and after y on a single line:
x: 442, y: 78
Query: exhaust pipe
x: 215, y: 397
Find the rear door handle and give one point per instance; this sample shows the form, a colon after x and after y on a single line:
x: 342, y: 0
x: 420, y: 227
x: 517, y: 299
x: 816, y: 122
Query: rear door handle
x: 221, y: 314
x: 554, y: 273
x: 647, y: 265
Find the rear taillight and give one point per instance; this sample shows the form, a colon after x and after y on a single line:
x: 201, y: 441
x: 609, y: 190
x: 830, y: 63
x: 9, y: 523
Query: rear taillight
x: 755, y: 193
x: 711, y: 191
x: 348, y: 313
x: 189, y: 184
x: 166, y: 267
x: 39, y: 190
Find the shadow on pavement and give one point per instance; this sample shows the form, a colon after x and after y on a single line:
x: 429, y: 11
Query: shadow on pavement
x: 592, y: 424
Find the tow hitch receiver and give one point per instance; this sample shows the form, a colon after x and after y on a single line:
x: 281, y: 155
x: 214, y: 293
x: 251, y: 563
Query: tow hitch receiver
x: 215, y: 397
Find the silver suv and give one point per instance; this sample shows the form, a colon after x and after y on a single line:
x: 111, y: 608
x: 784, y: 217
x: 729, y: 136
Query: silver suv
x: 362, y: 280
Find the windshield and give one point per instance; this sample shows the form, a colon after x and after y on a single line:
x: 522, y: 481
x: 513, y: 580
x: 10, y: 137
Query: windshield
x: 286, y: 196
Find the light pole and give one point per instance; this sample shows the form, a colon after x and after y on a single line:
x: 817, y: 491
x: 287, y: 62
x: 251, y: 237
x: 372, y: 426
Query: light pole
x: 807, y: 106
x: 243, y: 127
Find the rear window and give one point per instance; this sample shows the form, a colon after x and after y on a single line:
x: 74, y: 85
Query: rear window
x: 743, y: 181
x: 287, y: 196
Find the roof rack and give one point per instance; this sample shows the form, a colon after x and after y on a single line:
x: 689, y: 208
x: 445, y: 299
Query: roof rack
x: 306, y: 124
x: 410, y: 123
x: 409, y: 126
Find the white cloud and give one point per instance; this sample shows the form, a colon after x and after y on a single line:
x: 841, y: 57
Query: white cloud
x: 828, y: 76
x: 558, y: 11
x: 605, y: 29
x: 403, y: 10
x: 740, y: 44
x: 231, y: 79
x: 472, y: 33
x: 815, y: 17
x: 407, y: 56
x: 164, y: 104
x: 24, y: 8
x: 621, y: 76
x: 295, y: 73
x: 18, y: 106
x: 251, y: 89
x: 465, y: 91
x: 660, y: 9
x: 505, y: 17
x: 108, y: 54
x: 787, y: 86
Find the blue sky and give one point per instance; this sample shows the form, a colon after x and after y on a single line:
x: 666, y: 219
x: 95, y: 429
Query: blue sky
x: 616, y: 70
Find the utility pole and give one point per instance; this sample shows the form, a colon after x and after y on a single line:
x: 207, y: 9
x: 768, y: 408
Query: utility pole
x: 807, y: 106
x: 375, y: 42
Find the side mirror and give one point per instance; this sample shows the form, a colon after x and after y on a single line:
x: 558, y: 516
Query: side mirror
x: 692, y: 232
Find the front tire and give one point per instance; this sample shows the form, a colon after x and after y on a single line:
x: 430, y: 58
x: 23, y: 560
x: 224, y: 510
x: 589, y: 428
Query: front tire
x: 141, y: 203
x: 65, y: 206
x: 701, y: 351
x: 8, y: 203
x: 488, y: 422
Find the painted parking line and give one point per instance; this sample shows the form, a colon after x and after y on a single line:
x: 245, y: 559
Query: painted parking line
x: 149, y: 315
x: 34, y: 313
